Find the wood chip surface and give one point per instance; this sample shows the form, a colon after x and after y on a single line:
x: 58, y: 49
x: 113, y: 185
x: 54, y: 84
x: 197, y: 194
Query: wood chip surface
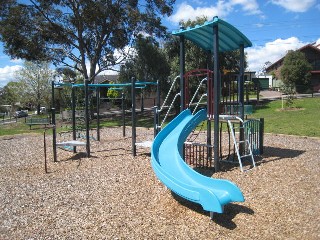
x: 113, y: 195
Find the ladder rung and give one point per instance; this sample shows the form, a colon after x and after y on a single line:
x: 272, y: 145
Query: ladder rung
x: 243, y: 156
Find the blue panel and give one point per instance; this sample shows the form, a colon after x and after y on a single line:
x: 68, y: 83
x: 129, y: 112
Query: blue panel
x: 172, y: 170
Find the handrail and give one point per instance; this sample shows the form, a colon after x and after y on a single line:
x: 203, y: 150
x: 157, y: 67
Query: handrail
x: 166, y: 99
x: 165, y: 118
x: 195, y: 109
x: 196, y: 92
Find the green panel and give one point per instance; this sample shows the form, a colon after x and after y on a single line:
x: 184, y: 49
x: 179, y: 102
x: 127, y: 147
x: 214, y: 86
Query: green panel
x: 230, y: 38
x: 264, y: 83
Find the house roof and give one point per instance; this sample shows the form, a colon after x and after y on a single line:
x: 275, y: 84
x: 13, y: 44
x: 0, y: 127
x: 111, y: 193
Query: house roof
x: 230, y: 37
x: 311, y: 46
x: 105, y: 78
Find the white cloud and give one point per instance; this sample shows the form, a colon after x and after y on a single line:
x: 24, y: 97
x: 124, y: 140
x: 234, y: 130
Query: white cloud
x: 7, y: 74
x: 17, y: 61
x: 295, y: 5
x: 271, y: 51
x: 222, y: 9
x: 186, y: 11
x: 248, y: 6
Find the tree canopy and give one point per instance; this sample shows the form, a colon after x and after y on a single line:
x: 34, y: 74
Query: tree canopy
x: 295, y: 69
x: 35, y: 81
x: 148, y: 62
x: 89, y: 36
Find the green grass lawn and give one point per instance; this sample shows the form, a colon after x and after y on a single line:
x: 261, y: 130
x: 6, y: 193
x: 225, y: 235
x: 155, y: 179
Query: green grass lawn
x: 19, y: 127
x: 304, y: 120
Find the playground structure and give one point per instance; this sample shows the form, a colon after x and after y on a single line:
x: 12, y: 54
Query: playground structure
x: 74, y: 142
x: 224, y: 104
x: 168, y: 152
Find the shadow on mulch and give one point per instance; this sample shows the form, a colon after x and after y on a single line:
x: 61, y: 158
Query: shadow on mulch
x: 278, y: 154
x: 124, y: 152
x: 224, y: 167
x: 224, y: 219
x: 274, y: 153
x: 76, y: 156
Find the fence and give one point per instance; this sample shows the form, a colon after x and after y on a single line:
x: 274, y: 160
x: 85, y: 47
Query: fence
x: 198, y: 154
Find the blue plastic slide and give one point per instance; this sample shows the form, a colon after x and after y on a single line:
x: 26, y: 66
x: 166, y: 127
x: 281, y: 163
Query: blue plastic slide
x: 172, y: 171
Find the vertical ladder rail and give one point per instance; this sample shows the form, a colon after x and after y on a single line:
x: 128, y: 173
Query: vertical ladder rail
x: 246, y: 142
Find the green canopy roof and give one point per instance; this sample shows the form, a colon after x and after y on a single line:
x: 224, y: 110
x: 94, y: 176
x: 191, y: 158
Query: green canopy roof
x: 230, y: 38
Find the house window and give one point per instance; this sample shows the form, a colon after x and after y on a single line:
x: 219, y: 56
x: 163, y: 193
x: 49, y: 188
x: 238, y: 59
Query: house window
x: 315, y: 64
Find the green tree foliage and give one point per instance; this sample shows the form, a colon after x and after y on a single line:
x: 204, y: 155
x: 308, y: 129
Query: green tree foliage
x: 296, y: 69
x: 148, y: 63
x: 67, y: 74
x: 9, y: 94
x: 113, y: 93
x: 295, y: 72
x: 35, y: 81
x: 63, y: 95
x: 74, y: 33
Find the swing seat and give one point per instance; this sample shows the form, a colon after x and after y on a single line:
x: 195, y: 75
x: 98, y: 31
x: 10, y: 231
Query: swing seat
x: 72, y: 143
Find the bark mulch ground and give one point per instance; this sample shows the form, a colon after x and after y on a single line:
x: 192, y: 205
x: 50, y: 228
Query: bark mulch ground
x: 113, y: 195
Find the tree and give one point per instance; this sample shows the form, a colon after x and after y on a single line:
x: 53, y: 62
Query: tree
x: 74, y: 33
x: 35, y: 79
x: 10, y: 94
x: 64, y: 96
x: 149, y: 63
x: 295, y: 70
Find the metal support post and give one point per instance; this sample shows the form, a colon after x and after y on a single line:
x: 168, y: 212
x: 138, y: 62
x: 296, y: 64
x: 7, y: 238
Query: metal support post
x: 216, y: 86
x: 241, y: 96
x: 98, y: 112
x: 73, y: 106
x: 133, y: 115
x: 182, y: 70
x: 261, y: 133
x: 53, y: 116
x: 87, y: 117
x: 123, y: 115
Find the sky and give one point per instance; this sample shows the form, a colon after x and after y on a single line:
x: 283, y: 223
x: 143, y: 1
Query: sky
x: 273, y: 27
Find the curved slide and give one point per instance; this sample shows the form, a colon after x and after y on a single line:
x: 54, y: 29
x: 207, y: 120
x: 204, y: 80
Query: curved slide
x: 172, y: 171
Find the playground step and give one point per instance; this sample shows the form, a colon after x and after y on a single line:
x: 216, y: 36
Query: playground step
x: 244, y: 156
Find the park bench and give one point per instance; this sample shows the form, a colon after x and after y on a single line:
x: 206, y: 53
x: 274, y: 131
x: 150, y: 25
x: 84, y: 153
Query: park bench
x: 37, y: 121
x: 2, y: 115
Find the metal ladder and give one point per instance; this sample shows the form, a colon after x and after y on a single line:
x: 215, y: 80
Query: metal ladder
x: 247, y: 145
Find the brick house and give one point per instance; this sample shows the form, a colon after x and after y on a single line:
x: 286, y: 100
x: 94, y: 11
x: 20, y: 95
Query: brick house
x: 102, y: 79
x: 312, y: 53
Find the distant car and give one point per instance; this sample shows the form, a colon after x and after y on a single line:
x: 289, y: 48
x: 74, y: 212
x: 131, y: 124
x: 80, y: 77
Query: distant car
x: 20, y: 114
x: 43, y: 110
